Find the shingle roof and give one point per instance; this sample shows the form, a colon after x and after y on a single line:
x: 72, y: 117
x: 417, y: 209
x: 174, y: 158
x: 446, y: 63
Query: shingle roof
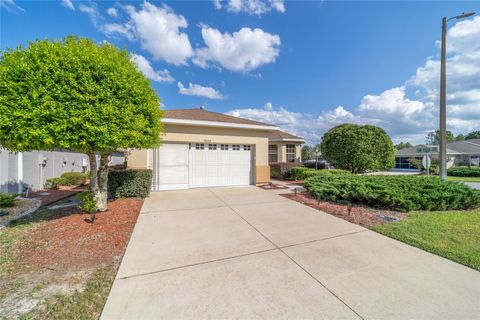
x: 204, y: 115
x: 282, y: 135
x: 466, y: 147
x: 458, y: 147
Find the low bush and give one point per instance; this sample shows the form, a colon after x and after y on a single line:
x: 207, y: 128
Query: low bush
x: 55, y: 183
x: 75, y: 178
x: 403, y: 193
x: 464, y: 171
x: 129, y: 183
x: 282, y: 170
x: 300, y: 173
x: 7, y: 200
x: 87, y: 202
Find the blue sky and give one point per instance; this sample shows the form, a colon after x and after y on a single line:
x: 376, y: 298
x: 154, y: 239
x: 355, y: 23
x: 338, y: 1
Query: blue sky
x: 305, y: 66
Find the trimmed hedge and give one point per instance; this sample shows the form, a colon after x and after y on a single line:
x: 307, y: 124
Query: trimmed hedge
x: 130, y: 183
x: 7, y: 200
x: 464, y: 171
x: 75, y: 178
x: 403, y: 193
x: 300, y: 173
x: 282, y: 170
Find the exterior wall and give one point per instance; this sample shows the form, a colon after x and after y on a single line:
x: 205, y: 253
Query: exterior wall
x: 197, y: 134
x: 38, y: 166
x: 282, y: 150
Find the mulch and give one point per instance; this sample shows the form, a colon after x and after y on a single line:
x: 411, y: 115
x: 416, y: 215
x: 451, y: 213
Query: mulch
x: 69, y: 242
x: 273, y: 186
x: 50, y: 196
x: 357, y: 214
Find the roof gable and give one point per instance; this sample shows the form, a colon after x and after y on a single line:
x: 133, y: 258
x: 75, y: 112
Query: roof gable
x: 204, y: 115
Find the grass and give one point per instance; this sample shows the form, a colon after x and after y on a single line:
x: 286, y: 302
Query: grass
x: 464, y: 179
x: 454, y: 235
x: 81, y: 305
x: 11, y: 238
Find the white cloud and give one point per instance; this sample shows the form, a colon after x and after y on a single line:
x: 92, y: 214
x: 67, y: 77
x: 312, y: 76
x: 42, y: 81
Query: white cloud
x: 91, y: 9
x: 160, y: 32
x: 200, y: 91
x: 111, y: 29
x: 252, y: 7
x: 11, y: 6
x: 68, y: 4
x: 113, y: 12
x: 241, y: 51
x: 146, y: 68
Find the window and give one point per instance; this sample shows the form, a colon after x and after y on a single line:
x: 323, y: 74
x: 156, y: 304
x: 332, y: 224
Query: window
x: 199, y: 146
x: 224, y: 147
x: 272, y: 153
x: 235, y: 147
x: 212, y: 146
x: 404, y: 163
x: 291, y: 153
x: 247, y: 148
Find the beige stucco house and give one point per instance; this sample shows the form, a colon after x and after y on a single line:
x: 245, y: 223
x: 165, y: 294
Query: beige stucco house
x: 284, y: 147
x: 202, y: 149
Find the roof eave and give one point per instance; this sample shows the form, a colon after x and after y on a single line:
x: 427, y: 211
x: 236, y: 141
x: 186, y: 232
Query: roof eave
x: 218, y: 124
x: 286, y: 140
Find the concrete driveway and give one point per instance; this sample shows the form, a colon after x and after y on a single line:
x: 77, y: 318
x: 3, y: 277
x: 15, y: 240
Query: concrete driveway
x: 248, y: 253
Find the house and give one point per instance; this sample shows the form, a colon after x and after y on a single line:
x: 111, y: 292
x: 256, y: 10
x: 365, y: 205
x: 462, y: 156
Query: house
x: 32, y: 169
x: 284, y: 147
x: 201, y: 148
x: 459, y: 152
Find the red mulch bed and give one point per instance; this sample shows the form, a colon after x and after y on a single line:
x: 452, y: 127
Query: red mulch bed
x: 69, y: 242
x: 358, y: 214
x: 55, y: 195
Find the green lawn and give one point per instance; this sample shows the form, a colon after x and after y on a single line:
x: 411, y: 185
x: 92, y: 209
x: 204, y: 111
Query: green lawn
x: 454, y: 235
x: 464, y: 179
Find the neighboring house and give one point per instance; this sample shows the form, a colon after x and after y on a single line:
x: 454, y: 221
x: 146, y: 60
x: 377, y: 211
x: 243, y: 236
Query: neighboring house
x: 32, y: 169
x: 459, y: 152
x: 205, y: 149
x: 284, y: 147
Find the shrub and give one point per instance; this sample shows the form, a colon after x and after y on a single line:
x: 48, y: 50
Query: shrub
x: 75, y: 178
x: 282, y: 170
x: 129, y: 183
x: 54, y: 183
x: 358, y: 148
x: 404, y: 193
x: 464, y: 171
x: 88, y: 203
x: 7, y: 200
x: 300, y: 173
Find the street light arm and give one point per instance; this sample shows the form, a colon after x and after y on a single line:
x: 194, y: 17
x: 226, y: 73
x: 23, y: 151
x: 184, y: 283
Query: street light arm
x: 462, y: 16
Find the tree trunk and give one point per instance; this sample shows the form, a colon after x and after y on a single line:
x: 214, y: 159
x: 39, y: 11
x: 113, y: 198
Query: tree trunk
x: 102, y: 183
x: 98, y: 180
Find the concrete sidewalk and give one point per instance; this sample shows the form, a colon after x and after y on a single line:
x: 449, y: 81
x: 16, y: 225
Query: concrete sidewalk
x: 244, y: 252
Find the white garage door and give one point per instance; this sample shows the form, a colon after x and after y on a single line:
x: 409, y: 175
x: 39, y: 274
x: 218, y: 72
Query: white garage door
x: 181, y: 166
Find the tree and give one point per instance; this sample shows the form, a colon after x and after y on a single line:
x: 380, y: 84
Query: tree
x: 403, y: 145
x: 77, y: 95
x: 358, y: 148
x: 473, y: 135
x: 434, y: 137
x: 460, y: 137
x: 308, y: 153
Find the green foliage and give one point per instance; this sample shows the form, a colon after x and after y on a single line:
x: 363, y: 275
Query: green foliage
x: 473, y: 135
x: 130, y: 183
x: 403, y: 145
x: 464, y: 171
x: 460, y: 137
x: 308, y: 153
x: 404, y: 193
x: 358, y: 148
x: 300, y: 173
x: 88, y: 203
x: 7, y: 200
x: 55, y: 183
x: 75, y: 178
x: 434, y: 137
x: 77, y: 95
x: 282, y: 170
